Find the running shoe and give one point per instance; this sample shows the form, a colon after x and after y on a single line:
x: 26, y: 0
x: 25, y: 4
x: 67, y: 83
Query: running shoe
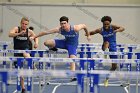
x: 53, y: 49
x: 23, y: 91
x: 106, y: 83
x: 73, y: 79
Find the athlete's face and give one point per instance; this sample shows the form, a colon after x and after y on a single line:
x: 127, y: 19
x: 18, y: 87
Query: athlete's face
x: 24, y: 24
x: 64, y: 24
x: 106, y: 24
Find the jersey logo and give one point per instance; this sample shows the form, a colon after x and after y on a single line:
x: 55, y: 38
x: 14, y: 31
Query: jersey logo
x: 21, y: 38
x: 108, y: 35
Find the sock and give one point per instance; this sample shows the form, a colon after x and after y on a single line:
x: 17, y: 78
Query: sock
x: 106, y: 56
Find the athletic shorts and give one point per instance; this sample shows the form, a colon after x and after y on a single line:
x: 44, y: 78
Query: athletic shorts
x: 63, y: 45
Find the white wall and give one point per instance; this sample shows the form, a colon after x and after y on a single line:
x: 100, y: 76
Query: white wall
x: 48, y: 15
x: 77, y: 1
x: 1, y: 21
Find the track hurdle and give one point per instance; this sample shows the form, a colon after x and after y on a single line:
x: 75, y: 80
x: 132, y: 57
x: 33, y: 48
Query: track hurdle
x: 94, y: 81
x: 4, y: 46
x: 89, y: 55
x: 19, y: 65
x: 4, y: 77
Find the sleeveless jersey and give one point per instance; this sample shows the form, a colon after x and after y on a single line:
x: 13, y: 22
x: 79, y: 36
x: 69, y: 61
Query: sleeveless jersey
x: 21, y: 42
x: 109, y: 36
x: 71, y: 37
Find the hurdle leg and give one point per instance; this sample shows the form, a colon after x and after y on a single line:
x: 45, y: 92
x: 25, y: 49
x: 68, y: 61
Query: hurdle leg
x: 11, y: 68
x: 4, y: 88
x: 39, y: 84
x: 81, y: 55
x: 19, y: 62
x: 137, y: 82
x: 80, y: 83
x: 121, y: 57
x: 129, y: 68
x: 86, y: 85
x: 94, y: 78
x: 32, y: 54
x: 137, y: 86
x: 4, y: 55
x: 40, y: 63
x: 29, y: 79
x: 42, y: 67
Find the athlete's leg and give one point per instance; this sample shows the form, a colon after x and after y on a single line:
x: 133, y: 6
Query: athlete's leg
x: 105, y: 46
x: 112, y: 48
x: 50, y: 44
x: 21, y: 77
x: 72, y: 54
x: 22, y: 84
x: 114, y: 65
x: 26, y: 55
x: 72, y: 66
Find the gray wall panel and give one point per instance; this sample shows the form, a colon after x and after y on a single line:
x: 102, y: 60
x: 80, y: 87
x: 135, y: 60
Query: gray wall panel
x: 48, y: 16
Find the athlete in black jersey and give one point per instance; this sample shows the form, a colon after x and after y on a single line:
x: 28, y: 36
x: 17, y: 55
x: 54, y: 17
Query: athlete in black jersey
x: 21, y: 38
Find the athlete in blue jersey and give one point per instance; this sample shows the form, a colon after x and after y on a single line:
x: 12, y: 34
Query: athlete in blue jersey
x: 71, y: 34
x: 108, y: 32
x: 21, y: 38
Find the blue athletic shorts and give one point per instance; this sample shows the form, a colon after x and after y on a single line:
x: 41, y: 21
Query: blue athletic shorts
x: 63, y: 45
x: 113, y: 50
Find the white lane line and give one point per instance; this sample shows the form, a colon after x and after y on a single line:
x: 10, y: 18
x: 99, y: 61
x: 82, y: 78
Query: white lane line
x: 126, y: 90
x: 15, y: 91
x: 56, y: 88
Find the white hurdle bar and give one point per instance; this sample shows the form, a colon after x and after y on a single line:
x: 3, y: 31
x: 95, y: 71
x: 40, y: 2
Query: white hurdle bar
x: 82, y: 54
x: 41, y: 52
x: 120, y: 47
x: 4, y: 45
x: 94, y: 76
x: 89, y: 69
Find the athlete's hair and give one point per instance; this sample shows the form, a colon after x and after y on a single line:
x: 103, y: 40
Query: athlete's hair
x: 106, y: 18
x: 64, y: 18
x: 24, y: 19
x: 31, y: 28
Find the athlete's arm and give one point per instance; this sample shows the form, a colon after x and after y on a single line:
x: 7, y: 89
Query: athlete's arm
x: 84, y: 27
x: 96, y: 31
x: 55, y: 30
x: 118, y: 28
x: 14, y: 32
x: 80, y: 27
x: 32, y: 34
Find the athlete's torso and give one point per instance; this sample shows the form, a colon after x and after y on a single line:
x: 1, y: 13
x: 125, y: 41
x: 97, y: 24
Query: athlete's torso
x: 21, y: 41
x: 71, y: 36
x: 109, y: 35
